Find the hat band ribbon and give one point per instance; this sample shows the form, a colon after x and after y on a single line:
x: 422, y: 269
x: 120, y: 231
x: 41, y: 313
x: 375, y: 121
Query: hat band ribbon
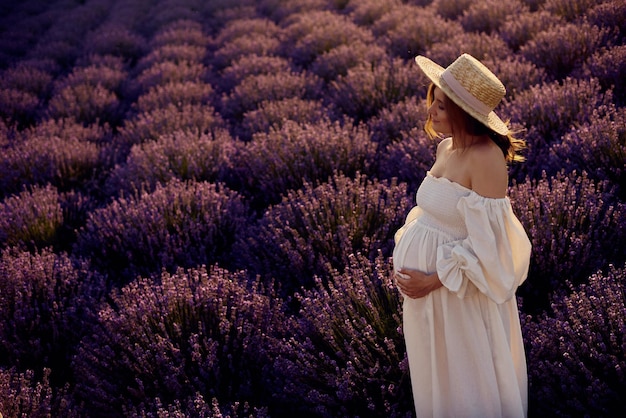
x: 464, y: 94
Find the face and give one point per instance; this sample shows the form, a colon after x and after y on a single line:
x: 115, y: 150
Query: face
x: 438, y: 114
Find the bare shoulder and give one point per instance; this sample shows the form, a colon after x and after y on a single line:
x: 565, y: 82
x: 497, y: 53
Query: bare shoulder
x: 444, y: 145
x: 488, y: 170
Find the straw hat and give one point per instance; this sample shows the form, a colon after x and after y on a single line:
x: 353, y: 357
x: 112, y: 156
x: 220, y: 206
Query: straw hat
x: 469, y: 84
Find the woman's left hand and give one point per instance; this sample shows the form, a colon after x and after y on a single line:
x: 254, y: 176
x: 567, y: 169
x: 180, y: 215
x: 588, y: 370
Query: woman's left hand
x: 416, y: 284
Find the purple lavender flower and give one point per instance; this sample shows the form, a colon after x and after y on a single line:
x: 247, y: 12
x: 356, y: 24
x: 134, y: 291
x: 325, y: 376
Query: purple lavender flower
x: 273, y: 163
x: 185, y: 155
x: 309, y: 35
x: 86, y: 103
x: 518, y: 29
x: 480, y: 45
x: 564, y: 48
x: 488, y: 15
x: 255, y: 89
x: 367, y: 12
x: 23, y: 394
x: 116, y: 40
x: 249, y: 65
x: 452, y: 9
x: 366, y: 88
x: 337, y: 61
x: 176, y: 93
x: 273, y: 115
x: 596, y: 148
x: 576, y: 226
x: 162, y: 121
x: 548, y: 111
x: 171, y: 53
x: 30, y: 219
x: 576, y: 352
x: 62, y: 153
x: 189, y: 336
x: 48, y: 303
x: 165, y: 72
x: 347, y: 356
x: 411, y: 30
x: 179, y: 224
x: 314, y: 230
x: 180, y: 32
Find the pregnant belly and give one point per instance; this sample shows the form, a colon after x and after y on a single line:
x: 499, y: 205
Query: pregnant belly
x: 417, y: 247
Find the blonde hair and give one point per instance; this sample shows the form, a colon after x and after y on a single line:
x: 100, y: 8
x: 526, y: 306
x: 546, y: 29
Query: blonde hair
x: 462, y: 122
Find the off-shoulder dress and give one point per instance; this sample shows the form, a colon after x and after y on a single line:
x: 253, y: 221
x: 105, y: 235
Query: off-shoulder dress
x: 463, y: 340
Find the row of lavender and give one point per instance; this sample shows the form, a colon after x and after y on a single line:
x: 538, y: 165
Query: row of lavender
x: 199, y: 200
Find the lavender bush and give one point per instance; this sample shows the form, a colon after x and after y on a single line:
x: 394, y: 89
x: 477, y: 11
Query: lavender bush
x: 610, y: 14
x: 402, y: 117
x: 564, y: 48
x: 249, y: 65
x: 24, y: 394
x: 452, y: 9
x: 179, y: 224
x: 48, y: 303
x: 30, y: 219
x: 185, y: 155
x: 165, y: 72
x: 570, y: 10
x: 337, y: 61
x: 151, y: 125
x: 410, y: 30
x: 310, y: 34
x: 516, y: 73
x: 347, y: 355
x: 609, y: 66
x: 180, y: 32
x: 116, y: 40
x: 192, y: 335
x: 86, y: 103
x: 179, y: 94
x: 253, y: 43
x: 106, y: 71
x: 548, y: 111
x: 367, y: 88
x: 407, y: 159
x: 577, y: 351
x: 60, y: 152
x: 367, y: 12
x: 282, y: 160
x: 27, y: 78
x: 488, y: 15
x: 479, y: 45
x: 19, y: 107
x: 597, y: 147
x: 316, y: 229
x: 171, y: 53
x: 576, y: 226
x: 520, y: 28
x: 255, y: 89
x: 274, y: 114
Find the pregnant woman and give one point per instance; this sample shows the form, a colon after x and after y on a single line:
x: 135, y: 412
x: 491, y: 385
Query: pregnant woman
x: 462, y: 254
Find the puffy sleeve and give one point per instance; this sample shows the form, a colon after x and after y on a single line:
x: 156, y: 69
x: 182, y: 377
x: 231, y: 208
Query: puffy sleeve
x: 495, y: 256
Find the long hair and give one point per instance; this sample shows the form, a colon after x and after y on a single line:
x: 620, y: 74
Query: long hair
x: 463, y: 124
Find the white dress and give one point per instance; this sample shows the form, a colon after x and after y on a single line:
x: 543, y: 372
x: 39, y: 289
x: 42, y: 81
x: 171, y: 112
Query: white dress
x: 464, y: 340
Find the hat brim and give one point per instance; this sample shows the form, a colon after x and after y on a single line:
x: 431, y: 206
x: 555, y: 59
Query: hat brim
x: 433, y: 71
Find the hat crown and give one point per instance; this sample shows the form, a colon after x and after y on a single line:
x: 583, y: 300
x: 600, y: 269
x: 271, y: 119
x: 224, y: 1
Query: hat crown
x: 473, y: 77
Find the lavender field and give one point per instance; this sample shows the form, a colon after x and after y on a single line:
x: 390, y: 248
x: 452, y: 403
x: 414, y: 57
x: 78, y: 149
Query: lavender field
x: 198, y: 200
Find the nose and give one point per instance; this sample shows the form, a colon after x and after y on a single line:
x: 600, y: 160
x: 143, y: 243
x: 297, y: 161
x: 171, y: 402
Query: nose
x: 431, y: 109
